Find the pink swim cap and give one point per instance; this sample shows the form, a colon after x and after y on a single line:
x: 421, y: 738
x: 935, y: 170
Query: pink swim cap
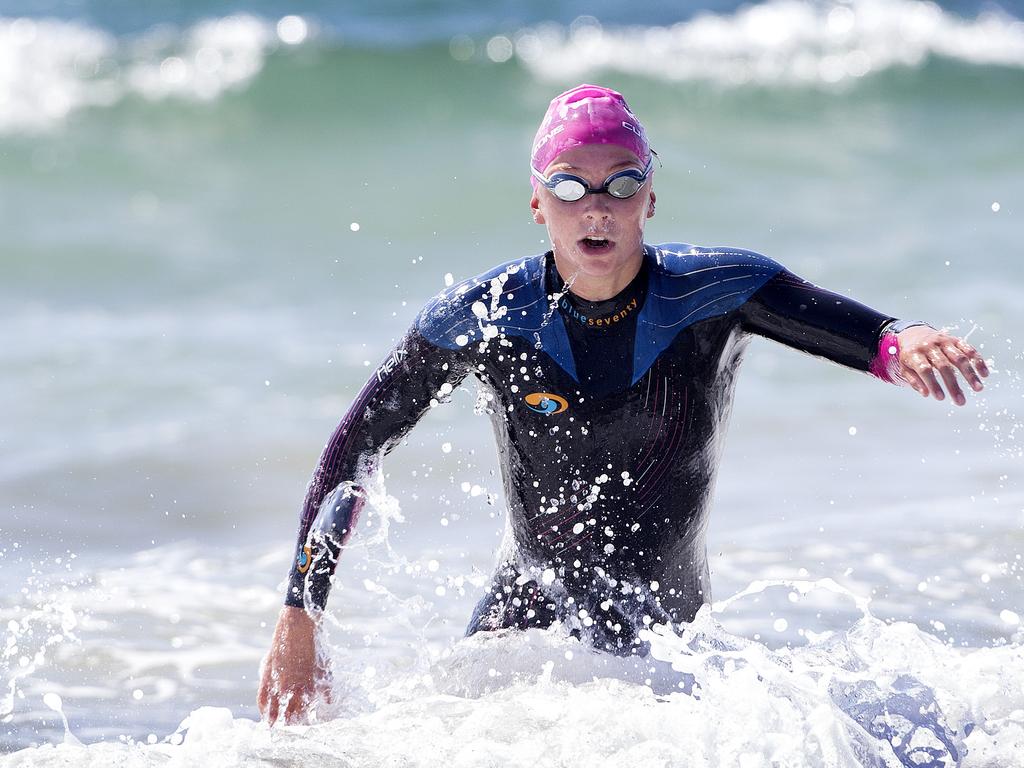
x: 587, y: 114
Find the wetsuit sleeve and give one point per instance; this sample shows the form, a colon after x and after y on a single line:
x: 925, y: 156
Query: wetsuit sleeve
x: 413, y: 377
x: 801, y: 315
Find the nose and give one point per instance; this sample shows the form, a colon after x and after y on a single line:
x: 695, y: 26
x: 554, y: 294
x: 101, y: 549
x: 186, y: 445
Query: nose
x: 596, y: 206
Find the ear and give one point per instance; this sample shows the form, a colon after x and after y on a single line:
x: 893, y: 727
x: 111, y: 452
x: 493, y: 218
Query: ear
x: 650, y: 205
x: 538, y: 216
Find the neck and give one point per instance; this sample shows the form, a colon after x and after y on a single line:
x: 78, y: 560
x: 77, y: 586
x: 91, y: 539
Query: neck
x: 597, y: 287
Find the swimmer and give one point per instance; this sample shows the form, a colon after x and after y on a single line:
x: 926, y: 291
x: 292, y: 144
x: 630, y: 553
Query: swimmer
x: 610, y: 366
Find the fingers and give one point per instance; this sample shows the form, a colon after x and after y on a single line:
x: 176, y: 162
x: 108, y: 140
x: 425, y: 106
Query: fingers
x: 973, y: 362
x: 271, y: 701
x: 931, y: 360
x: 271, y: 713
x: 911, y: 377
x: 921, y: 366
x: 261, y: 692
x: 942, y: 364
x: 287, y: 706
x: 294, y: 706
x: 957, y: 357
x: 324, y: 692
x: 284, y: 706
x: 264, y: 701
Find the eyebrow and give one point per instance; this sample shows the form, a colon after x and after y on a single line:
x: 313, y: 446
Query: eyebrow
x: 623, y: 164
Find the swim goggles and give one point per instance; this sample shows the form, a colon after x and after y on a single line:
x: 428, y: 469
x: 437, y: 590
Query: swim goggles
x: 569, y: 188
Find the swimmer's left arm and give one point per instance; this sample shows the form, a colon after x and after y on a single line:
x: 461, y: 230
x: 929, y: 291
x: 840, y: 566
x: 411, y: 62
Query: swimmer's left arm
x: 802, y: 315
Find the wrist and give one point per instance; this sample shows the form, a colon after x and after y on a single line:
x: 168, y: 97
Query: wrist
x: 886, y: 363
x: 898, y: 326
x: 296, y: 616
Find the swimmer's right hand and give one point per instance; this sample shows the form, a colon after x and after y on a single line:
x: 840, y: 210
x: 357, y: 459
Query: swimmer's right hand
x: 291, y: 672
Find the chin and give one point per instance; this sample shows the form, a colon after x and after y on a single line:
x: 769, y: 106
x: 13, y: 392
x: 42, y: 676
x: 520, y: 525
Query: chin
x: 602, y: 268
x: 598, y: 265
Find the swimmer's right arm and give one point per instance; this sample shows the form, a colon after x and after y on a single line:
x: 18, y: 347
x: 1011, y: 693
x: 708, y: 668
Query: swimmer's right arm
x: 414, y: 376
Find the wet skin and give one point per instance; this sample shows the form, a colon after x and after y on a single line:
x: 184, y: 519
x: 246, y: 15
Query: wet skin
x: 595, y: 272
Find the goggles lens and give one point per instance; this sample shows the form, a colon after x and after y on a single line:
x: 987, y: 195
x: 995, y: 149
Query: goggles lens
x: 569, y: 188
x: 623, y: 186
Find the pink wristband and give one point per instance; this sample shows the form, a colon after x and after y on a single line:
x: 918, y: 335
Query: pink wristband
x: 886, y: 364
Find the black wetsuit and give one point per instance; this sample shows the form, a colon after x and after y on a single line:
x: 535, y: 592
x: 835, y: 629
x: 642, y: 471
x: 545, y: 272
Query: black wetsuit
x: 609, y: 419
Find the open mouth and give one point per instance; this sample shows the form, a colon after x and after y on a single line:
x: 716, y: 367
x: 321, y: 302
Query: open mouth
x: 593, y: 243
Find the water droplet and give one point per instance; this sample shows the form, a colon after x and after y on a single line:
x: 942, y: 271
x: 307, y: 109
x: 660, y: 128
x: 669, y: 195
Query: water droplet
x: 499, y: 49
x: 292, y: 29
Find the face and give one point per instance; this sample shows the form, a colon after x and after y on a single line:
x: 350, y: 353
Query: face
x: 598, y: 236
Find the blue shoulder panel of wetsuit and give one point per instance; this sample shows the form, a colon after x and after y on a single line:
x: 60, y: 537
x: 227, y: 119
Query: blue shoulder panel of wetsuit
x: 689, y: 284
x: 509, y: 297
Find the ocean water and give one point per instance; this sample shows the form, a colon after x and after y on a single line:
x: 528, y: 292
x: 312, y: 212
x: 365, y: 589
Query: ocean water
x: 215, y: 220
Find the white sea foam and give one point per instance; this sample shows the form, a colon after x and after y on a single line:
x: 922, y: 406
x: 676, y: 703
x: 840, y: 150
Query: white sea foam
x: 777, y: 42
x: 183, y: 619
x: 50, y: 68
x: 510, y: 699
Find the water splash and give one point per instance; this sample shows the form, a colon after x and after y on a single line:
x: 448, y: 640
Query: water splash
x: 54, y: 702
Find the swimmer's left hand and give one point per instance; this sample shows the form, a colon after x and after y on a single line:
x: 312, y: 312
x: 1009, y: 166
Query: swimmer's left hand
x: 928, y: 355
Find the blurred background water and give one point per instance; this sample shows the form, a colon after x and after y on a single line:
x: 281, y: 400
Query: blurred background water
x: 217, y: 217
